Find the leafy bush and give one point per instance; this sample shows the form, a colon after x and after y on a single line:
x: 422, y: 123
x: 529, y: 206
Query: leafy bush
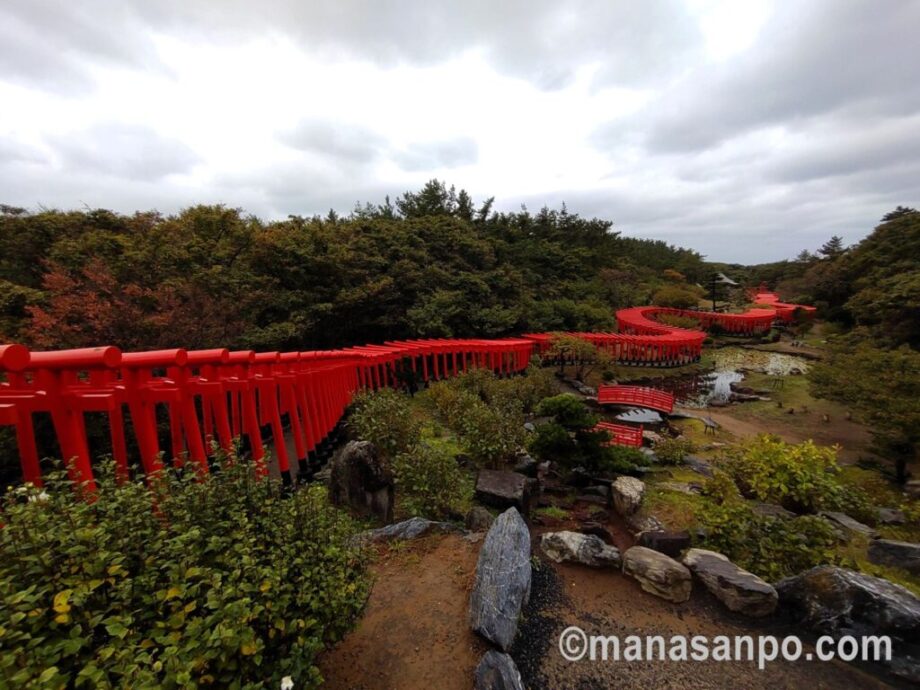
x: 553, y: 442
x: 721, y: 488
x: 385, y: 418
x: 621, y: 459
x: 679, y: 321
x: 225, y: 583
x: 567, y: 410
x: 672, y: 451
x: 803, y: 478
x: 491, y: 433
x: 537, y: 384
x: 767, y: 546
x: 486, y: 415
x: 430, y: 483
x: 676, y: 297
x: 571, y: 441
x: 570, y: 349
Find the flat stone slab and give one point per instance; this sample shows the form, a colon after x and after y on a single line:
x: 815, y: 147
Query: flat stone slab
x: 891, y: 516
x: 658, y: 574
x: 503, y: 575
x: 900, y: 554
x: 848, y: 523
x: 413, y: 528
x: 502, y: 489
x: 735, y: 587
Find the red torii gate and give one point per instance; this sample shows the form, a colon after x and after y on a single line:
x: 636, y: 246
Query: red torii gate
x: 240, y: 393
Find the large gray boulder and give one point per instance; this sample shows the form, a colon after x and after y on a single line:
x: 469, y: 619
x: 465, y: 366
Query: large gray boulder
x: 361, y: 479
x: 837, y: 602
x: 502, y: 489
x: 586, y: 549
x: 900, y: 554
x: 497, y: 671
x: 832, y: 600
x: 658, y: 574
x: 502, y: 584
x: 735, y: 587
x: 627, y: 494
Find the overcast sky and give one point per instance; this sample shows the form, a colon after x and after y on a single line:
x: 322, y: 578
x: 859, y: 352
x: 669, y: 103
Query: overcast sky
x: 747, y: 130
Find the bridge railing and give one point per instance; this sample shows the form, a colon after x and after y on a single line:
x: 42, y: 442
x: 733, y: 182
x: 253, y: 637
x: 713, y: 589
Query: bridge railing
x: 640, y: 396
x: 621, y: 434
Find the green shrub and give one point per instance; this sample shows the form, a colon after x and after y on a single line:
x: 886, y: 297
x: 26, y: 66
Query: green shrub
x: 672, y: 451
x: 553, y: 442
x: 571, y: 440
x: 721, y: 488
x: 386, y: 419
x: 677, y: 297
x: 621, y: 459
x: 487, y: 419
x: 226, y: 583
x: 491, y: 433
x: 429, y: 482
x: 767, y: 546
x: 567, y: 410
x: 679, y: 321
x: 537, y: 384
x: 803, y: 478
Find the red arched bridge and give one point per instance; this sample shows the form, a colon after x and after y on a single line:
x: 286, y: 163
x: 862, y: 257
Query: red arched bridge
x: 212, y: 397
x: 636, y: 396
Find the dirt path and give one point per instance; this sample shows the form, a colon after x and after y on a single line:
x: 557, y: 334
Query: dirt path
x: 414, y: 633
x: 852, y: 437
x: 607, y: 603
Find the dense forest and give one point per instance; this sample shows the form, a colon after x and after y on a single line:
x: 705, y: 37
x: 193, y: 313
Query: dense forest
x: 870, y: 295
x: 874, y: 284
x: 432, y: 263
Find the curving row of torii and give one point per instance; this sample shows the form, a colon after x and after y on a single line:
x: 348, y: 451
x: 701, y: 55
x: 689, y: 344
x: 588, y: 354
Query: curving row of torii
x: 209, y: 399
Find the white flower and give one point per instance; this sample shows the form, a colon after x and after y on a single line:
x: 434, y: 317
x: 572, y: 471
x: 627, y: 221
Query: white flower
x: 287, y: 683
x: 41, y: 496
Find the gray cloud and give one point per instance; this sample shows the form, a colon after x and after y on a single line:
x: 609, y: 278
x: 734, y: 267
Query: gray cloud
x: 15, y: 152
x: 812, y: 131
x: 51, y: 44
x: 812, y: 59
x: 539, y: 40
x: 353, y: 143
x: 124, y: 150
x: 438, y: 154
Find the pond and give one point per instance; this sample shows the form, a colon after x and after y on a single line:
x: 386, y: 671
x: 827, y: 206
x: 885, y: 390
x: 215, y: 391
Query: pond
x: 730, y: 363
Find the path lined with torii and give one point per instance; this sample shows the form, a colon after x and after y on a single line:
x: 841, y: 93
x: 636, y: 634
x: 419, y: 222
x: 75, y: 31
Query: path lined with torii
x: 212, y: 397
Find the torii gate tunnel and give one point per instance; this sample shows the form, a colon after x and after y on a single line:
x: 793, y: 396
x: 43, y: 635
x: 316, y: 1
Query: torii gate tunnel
x: 211, y: 397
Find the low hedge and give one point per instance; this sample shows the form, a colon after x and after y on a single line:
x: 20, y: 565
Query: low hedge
x: 221, y: 582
